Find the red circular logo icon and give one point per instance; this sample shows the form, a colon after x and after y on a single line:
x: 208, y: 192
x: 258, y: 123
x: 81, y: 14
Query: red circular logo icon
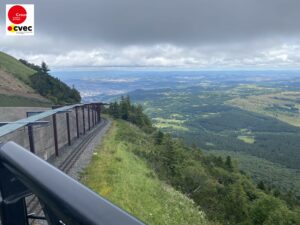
x: 17, y: 14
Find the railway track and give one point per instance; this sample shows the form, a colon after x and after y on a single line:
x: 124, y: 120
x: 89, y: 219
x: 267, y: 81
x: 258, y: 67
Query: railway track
x: 33, y: 204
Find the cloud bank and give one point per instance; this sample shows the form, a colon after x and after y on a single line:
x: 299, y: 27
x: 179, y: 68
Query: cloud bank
x: 181, y: 33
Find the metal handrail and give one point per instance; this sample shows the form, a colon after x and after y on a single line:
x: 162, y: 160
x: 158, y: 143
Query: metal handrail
x: 64, y: 200
x: 11, y: 127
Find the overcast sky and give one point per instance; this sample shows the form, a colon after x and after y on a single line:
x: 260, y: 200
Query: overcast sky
x: 205, y: 34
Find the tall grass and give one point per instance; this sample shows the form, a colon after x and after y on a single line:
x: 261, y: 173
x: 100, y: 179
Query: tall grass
x: 16, y: 68
x: 126, y: 180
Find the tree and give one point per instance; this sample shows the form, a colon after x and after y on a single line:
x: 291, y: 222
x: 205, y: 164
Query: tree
x: 127, y: 111
x: 263, y: 208
x: 44, y: 68
x: 261, y: 185
x: 159, y: 138
x: 228, y: 163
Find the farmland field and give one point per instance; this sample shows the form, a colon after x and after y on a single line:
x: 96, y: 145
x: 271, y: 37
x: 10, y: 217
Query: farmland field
x: 252, y: 114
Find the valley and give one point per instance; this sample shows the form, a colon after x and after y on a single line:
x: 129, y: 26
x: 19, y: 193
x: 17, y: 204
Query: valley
x: 207, y: 118
x: 251, y: 115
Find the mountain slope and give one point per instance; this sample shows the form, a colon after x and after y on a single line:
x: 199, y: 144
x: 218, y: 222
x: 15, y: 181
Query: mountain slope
x: 125, y: 179
x: 14, y: 92
x: 10, y: 85
x: 215, y: 184
x: 147, y: 174
x: 12, y: 66
x: 26, y: 84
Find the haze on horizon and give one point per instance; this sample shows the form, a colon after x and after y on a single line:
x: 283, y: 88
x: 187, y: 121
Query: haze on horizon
x: 203, y: 34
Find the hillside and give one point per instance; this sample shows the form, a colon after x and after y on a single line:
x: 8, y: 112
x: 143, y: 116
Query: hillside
x: 204, y: 116
x: 26, y: 84
x: 167, y: 183
x: 125, y: 179
x: 15, y: 92
x: 14, y: 86
x: 274, y: 174
x: 14, y: 67
x: 215, y: 184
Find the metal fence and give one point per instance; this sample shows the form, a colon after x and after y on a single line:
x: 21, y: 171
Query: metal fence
x: 24, y: 173
x: 44, y: 133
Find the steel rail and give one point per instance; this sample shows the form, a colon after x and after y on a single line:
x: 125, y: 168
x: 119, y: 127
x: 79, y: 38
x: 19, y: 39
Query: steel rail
x: 11, y: 127
x: 68, y: 163
x: 65, y: 200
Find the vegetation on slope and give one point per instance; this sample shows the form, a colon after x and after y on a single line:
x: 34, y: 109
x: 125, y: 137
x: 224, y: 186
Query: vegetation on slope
x: 29, y: 81
x: 202, y: 116
x: 126, y: 111
x: 125, y: 179
x: 50, y: 87
x: 216, y: 185
x: 283, y: 106
x: 13, y: 101
x: 15, y: 67
x: 272, y: 174
x: 14, y: 92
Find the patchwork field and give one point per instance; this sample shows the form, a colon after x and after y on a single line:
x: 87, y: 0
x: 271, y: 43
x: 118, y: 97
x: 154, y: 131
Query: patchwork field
x: 283, y: 106
x: 261, y: 121
x: 255, y: 113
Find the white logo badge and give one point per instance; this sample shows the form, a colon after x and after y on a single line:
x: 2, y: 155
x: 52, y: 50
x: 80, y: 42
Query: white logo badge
x: 20, y: 19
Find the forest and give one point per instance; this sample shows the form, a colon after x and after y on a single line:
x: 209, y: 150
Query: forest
x: 233, y: 117
x: 215, y: 183
x: 50, y: 87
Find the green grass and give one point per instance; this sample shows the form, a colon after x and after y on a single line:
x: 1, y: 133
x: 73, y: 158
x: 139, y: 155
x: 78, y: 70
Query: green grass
x: 246, y: 139
x: 276, y: 105
x: 125, y: 179
x: 170, y: 126
x: 18, y: 101
x: 174, y: 124
x: 16, y: 68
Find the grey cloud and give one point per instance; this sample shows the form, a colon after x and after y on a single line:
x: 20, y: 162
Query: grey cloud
x: 202, y: 33
x: 283, y: 56
x: 183, y: 22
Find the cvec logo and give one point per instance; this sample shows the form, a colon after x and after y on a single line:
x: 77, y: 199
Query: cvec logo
x: 20, y: 19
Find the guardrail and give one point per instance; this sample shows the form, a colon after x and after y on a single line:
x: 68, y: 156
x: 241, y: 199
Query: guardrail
x: 23, y: 173
x: 88, y: 115
x: 63, y: 199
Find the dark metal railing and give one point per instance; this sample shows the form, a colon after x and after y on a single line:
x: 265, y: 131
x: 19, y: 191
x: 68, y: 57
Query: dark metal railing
x: 63, y: 199
x: 34, y: 119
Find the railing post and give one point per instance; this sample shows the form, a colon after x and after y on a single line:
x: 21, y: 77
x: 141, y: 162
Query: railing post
x: 93, y: 115
x: 96, y: 108
x: 100, y: 106
x: 31, y: 139
x: 89, y: 117
x: 77, y: 122
x: 98, y: 112
x: 68, y: 128
x: 83, y: 119
x: 14, y: 213
x: 55, y: 134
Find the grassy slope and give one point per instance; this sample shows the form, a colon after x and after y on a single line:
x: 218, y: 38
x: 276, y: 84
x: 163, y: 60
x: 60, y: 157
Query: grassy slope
x: 276, y: 105
x: 119, y: 175
x: 263, y: 170
x: 13, y: 66
x: 19, y: 101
